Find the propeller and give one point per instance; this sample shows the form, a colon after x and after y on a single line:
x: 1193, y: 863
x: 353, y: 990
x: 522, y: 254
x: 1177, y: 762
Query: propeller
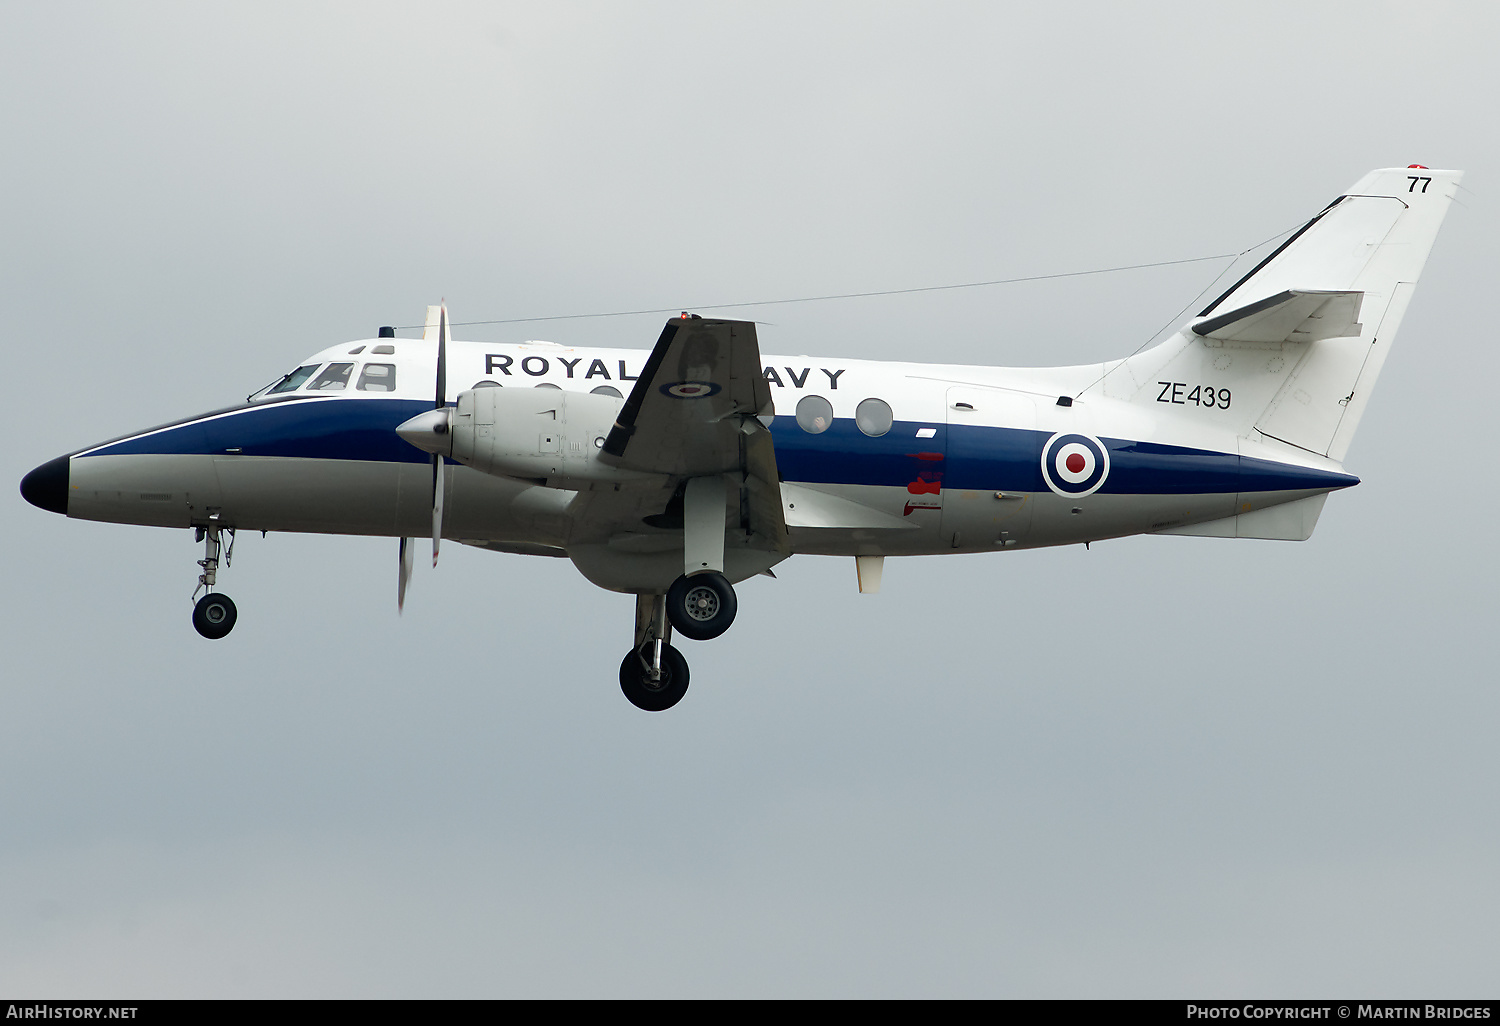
x: 429, y: 432
x: 441, y: 428
x: 407, y: 545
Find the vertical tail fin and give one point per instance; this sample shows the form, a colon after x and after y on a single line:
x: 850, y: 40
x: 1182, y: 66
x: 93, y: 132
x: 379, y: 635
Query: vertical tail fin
x: 1297, y: 343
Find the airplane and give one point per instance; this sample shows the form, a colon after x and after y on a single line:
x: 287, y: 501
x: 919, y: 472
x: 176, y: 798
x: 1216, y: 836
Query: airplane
x: 675, y: 474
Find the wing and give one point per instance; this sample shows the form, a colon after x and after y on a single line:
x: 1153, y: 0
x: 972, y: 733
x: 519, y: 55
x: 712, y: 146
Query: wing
x: 693, y: 413
x: 684, y: 413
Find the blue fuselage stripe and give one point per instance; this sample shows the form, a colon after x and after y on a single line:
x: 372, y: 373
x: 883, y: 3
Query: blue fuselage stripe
x: 956, y: 456
x: 1010, y: 459
x: 362, y: 430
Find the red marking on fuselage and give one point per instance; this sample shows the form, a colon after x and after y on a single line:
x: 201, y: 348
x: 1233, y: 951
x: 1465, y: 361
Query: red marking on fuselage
x: 1076, y: 463
x: 925, y: 487
x: 925, y: 455
x: 911, y: 506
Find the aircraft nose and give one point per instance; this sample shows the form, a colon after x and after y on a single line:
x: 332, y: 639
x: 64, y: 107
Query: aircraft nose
x: 47, y: 486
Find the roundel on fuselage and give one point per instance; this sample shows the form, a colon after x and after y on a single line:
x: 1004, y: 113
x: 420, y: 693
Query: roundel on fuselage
x: 1074, y: 465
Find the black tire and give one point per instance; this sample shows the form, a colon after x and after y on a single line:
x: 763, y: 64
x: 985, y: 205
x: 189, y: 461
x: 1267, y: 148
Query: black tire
x: 663, y: 694
x: 702, y: 606
x: 214, y: 616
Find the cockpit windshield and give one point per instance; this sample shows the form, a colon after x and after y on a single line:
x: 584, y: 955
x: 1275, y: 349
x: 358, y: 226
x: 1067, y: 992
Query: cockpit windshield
x: 373, y: 377
x: 291, y: 381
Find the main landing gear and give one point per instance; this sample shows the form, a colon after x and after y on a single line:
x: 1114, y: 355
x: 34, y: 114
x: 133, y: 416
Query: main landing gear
x: 654, y: 676
x: 702, y: 606
x: 699, y: 605
x: 214, y: 615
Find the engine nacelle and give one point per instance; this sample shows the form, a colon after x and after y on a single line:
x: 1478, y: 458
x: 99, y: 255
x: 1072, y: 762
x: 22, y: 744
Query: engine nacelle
x: 537, y: 434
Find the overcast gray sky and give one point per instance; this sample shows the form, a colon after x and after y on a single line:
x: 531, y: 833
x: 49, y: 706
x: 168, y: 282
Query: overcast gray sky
x: 1162, y: 767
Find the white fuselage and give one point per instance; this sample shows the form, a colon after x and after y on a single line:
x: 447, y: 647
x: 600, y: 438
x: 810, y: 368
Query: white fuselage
x: 960, y: 468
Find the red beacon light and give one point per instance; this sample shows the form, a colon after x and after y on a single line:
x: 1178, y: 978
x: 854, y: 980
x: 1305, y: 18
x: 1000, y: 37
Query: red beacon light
x: 1419, y: 167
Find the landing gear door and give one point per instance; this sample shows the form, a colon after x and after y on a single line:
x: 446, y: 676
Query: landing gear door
x: 989, y: 463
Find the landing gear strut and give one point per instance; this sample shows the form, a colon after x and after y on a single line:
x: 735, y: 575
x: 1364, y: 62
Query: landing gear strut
x: 214, y: 615
x: 654, y: 676
x: 701, y: 602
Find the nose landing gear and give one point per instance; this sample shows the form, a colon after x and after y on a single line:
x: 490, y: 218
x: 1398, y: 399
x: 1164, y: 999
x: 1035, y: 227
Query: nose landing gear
x: 214, y: 615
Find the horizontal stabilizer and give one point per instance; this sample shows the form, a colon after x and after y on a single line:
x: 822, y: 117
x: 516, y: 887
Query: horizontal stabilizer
x: 1297, y: 315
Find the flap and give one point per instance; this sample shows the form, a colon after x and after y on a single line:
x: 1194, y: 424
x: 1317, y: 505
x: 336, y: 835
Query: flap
x: 1297, y: 315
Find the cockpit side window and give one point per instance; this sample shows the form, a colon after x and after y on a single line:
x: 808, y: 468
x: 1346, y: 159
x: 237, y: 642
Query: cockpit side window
x: 334, y: 376
x: 293, y: 380
x: 377, y: 377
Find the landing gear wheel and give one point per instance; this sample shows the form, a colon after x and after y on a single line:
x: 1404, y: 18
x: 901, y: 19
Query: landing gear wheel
x: 701, y: 606
x: 654, y: 695
x: 214, y: 616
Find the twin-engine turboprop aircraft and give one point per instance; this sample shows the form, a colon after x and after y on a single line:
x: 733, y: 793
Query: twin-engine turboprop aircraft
x: 674, y: 475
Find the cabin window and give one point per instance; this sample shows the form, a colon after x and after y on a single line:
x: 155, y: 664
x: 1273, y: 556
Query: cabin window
x: 607, y: 390
x: 383, y: 351
x: 487, y: 384
x: 377, y: 377
x: 548, y: 384
x: 814, y: 414
x: 335, y: 376
x: 293, y: 380
x: 874, y: 417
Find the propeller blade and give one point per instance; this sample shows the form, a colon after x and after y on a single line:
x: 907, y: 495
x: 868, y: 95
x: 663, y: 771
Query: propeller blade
x: 437, y: 458
x: 407, y: 545
x: 437, y: 504
x: 442, y: 359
